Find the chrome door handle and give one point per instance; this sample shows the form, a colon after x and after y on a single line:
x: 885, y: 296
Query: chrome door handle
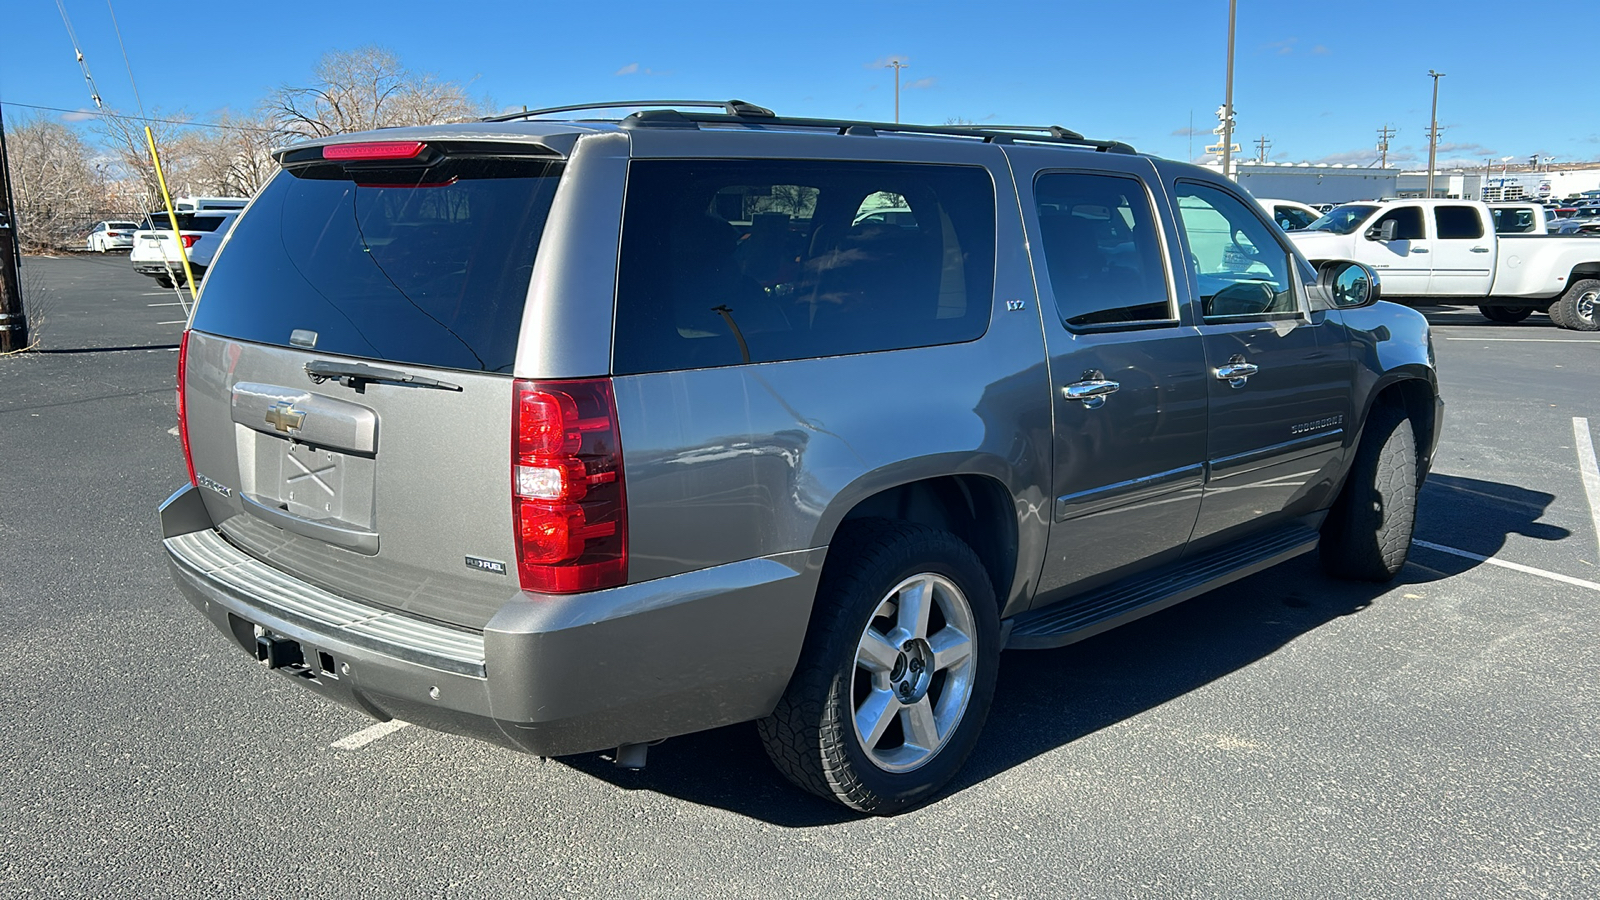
x: 1236, y: 372
x: 1480, y: 249
x: 1419, y: 249
x: 1092, y: 390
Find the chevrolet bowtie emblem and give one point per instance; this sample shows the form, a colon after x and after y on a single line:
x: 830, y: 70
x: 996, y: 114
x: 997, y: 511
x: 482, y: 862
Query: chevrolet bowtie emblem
x: 283, y: 416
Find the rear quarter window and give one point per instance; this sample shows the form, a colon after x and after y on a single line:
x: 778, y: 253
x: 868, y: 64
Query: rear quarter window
x: 730, y: 262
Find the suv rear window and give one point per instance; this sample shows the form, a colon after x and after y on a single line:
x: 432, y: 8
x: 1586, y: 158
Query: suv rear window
x: 727, y: 262
x: 425, y: 266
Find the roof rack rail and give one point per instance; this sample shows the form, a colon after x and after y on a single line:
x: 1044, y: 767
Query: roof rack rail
x: 1002, y: 134
x: 736, y: 108
x: 667, y: 114
x: 1053, y: 130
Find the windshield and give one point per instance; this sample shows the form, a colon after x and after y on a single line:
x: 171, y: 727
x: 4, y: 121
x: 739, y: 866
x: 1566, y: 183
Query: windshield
x: 428, y: 266
x: 1342, y: 219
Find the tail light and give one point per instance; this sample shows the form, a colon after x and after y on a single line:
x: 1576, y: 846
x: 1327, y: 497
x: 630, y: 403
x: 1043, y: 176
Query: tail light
x: 188, y: 240
x: 183, y: 416
x: 568, y: 503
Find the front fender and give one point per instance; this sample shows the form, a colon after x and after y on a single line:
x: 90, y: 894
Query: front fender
x: 1393, y: 356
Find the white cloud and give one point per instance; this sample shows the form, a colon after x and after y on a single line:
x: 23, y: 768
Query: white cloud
x: 82, y: 115
x: 629, y: 69
x: 919, y: 84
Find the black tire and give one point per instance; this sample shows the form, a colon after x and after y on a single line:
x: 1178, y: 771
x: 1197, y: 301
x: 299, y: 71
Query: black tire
x: 1368, y: 532
x: 1579, y: 307
x: 812, y: 736
x: 164, y: 281
x: 1509, y: 315
x: 1554, y: 312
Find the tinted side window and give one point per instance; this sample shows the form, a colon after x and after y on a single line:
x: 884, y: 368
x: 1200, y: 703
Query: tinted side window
x: 1457, y: 222
x: 725, y: 262
x: 1408, y: 223
x: 1238, y: 264
x: 1098, y: 236
x: 1513, y: 221
x: 1289, y: 218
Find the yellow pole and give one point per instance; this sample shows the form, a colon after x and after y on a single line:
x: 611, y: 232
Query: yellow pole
x: 172, y: 217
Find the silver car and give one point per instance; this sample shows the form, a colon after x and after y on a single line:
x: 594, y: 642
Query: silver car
x: 578, y: 435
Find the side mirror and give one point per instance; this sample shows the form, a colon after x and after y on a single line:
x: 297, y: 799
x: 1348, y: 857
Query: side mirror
x: 1383, y: 232
x: 1347, y: 284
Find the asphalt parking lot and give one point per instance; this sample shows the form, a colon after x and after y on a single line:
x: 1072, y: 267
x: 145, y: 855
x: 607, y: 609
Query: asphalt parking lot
x: 1287, y: 736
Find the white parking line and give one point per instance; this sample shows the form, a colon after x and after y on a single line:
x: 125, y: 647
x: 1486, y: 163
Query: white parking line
x: 164, y: 304
x: 1515, y: 567
x: 1588, y: 468
x: 1532, y: 340
x: 174, y: 322
x: 367, y: 735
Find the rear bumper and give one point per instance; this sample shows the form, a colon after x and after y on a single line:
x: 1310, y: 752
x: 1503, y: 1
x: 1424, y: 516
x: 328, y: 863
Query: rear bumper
x: 552, y: 675
x: 166, y: 268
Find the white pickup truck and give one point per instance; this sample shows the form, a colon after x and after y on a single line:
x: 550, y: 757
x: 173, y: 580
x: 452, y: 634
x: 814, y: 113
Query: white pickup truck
x: 1447, y: 251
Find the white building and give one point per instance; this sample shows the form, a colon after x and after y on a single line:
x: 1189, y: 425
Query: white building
x: 1314, y: 182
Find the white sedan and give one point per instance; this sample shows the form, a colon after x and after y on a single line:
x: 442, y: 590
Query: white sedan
x: 109, y: 235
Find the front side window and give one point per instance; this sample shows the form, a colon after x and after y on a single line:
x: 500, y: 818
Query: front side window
x: 1101, y: 249
x: 1408, y: 223
x: 1457, y: 222
x: 725, y: 262
x: 1239, y: 266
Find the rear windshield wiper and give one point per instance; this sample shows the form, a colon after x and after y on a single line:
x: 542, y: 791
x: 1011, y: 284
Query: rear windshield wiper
x: 354, y: 375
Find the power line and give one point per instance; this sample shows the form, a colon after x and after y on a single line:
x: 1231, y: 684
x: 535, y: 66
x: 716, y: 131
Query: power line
x: 137, y: 101
x: 111, y: 115
x: 94, y: 90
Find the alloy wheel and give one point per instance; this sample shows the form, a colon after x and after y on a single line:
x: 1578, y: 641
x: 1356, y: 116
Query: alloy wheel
x: 914, y: 672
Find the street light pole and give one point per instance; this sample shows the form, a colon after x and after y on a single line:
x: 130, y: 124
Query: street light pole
x: 1433, y: 129
x: 1227, y: 94
x: 897, y: 65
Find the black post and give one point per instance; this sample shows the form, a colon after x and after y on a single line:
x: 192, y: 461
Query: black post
x: 13, y: 321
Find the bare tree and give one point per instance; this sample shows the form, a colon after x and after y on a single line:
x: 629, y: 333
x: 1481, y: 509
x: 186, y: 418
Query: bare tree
x: 367, y: 88
x: 129, y: 154
x: 232, y: 159
x: 57, y: 188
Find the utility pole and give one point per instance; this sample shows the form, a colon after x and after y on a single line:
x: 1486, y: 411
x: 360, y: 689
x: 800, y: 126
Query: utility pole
x: 1433, y: 129
x: 13, y: 320
x: 1227, y: 96
x: 896, y: 65
x: 1384, y: 134
x: 1262, y: 145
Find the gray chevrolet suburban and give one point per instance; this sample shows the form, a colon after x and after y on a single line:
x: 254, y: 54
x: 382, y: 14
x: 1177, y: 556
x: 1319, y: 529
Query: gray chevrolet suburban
x: 579, y: 434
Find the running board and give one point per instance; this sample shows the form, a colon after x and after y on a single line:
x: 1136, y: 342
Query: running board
x: 1100, y: 610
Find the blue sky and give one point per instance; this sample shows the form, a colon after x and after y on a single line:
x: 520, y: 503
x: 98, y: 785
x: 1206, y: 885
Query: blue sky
x: 1318, y: 79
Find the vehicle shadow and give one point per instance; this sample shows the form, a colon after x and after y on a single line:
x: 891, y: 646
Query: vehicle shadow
x: 1470, y: 317
x: 1048, y: 699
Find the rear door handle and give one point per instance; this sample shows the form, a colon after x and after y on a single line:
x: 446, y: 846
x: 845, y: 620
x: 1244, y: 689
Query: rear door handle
x: 1419, y: 249
x: 1480, y: 249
